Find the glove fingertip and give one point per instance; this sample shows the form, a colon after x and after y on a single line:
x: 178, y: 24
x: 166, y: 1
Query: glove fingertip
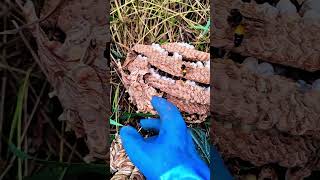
x: 164, y: 107
x: 128, y: 132
x: 150, y: 124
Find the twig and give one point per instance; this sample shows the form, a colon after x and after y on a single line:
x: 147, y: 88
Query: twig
x: 26, y: 42
x: 9, y: 42
x: 15, y: 31
x: 4, y: 81
x: 72, y: 151
x: 3, y: 95
x: 61, y: 142
x: 51, y: 150
x: 69, y: 160
x: 33, y: 111
x: 25, y: 142
x: 13, y: 69
x: 41, y: 165
x: 47, y: 120
x: 59, y: 135
x: 13, y: 54
x: 13, y: 158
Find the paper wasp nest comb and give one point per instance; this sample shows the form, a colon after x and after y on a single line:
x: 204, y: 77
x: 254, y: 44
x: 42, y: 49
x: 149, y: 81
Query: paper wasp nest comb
x: 278, y: 33
x: 75, y: 66
x: 265, y: 118
x: 297, y: 153
x: 264, y: 102
x: 175, y: 71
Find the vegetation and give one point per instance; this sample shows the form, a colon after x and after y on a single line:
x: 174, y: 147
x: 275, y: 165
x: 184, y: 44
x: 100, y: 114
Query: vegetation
x: 34, y: 144
x: 154, y: 21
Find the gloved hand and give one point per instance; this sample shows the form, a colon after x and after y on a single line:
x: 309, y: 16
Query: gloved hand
x: 169, y: 155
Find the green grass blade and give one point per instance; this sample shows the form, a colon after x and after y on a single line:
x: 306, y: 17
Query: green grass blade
x: 63, y: 173
x: 115, y: 105
x: 16, y: 122
x: 113, y: 122
x: 200, y: 139
x: 13, y: 148
x: 58, y: 169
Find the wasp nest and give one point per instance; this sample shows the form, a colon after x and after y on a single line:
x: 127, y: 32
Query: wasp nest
x: 264, y: 101
x: 70, y: 49
x: 257, y: 110
x: 298, y: 153
x: 176, y: 71
x: 277, y: 33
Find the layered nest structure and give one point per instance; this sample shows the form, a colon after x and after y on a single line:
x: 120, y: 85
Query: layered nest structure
x: 264, y: 119
x: 176, y: 71
x: 70, y: 49
x: 266, y: 106
x: 265, y: 101
x: 278, y: 34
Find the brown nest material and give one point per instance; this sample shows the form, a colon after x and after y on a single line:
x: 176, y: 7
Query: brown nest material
x: 271, y: 33
x: 263, y: 102
x: 265, y: 119
x: 298, y: 153
x: 154, y: 70
x: 70, y: 54
x: 175, y: 70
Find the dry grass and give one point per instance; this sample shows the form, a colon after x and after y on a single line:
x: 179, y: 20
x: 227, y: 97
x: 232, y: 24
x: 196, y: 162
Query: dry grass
x: 33, y: 143
x: 154, y: 21
x: 149, y: 21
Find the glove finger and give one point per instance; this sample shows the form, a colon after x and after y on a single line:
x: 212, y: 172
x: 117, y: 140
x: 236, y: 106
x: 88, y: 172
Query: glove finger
x: 150, y: 124
x: 170, y: 116
x: 133, y: 144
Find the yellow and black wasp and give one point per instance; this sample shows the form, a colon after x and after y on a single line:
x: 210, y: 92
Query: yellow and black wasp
x: 238, y: 35
x: 235, y: 21
x: 183, y: 70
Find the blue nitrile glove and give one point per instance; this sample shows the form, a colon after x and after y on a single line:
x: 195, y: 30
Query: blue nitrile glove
x: 171, y: 154
x: 217, y: 167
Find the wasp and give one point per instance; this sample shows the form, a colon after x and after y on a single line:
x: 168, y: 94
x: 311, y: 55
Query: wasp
x: 234, y: 21
x: 238, y: 35
x: 183, y: 70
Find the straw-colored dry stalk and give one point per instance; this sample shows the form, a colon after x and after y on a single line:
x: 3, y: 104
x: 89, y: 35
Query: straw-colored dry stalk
x: 120, y: 163
x: 276, y: 34
x: 156, y: 70
x: 75, y: 66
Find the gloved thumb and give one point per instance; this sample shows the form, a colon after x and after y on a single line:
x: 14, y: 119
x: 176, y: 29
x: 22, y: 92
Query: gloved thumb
x: 133, y: 144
